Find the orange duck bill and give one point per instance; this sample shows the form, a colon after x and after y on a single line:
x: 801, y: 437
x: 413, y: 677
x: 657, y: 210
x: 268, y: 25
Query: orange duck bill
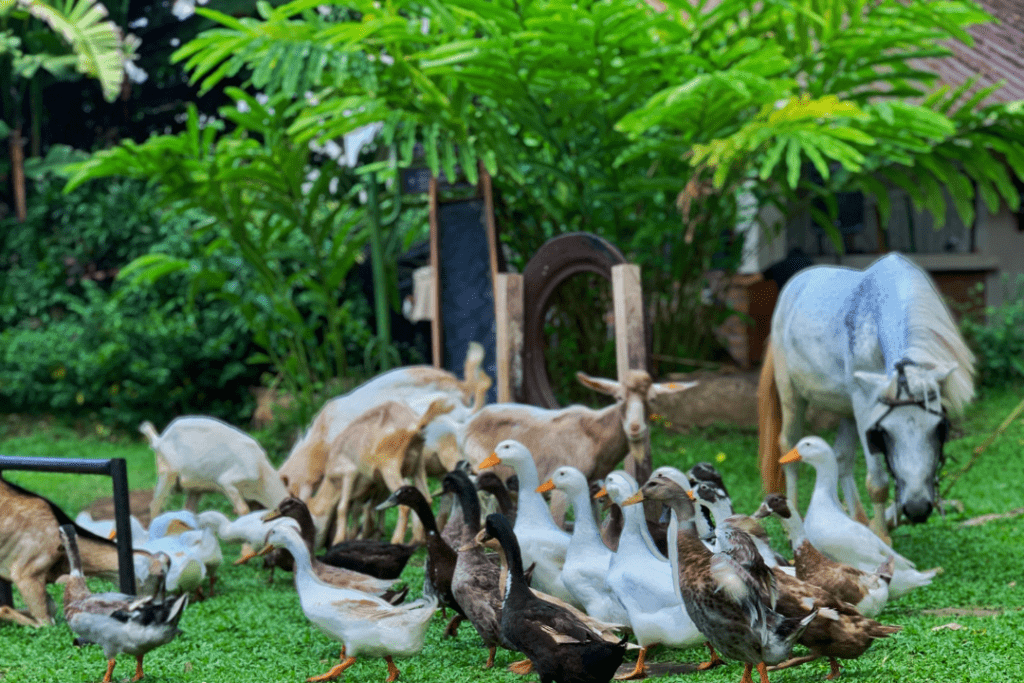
x: 792, y: 456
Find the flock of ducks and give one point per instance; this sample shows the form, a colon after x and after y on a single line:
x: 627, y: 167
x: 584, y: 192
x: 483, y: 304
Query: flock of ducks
x: 572, y: 603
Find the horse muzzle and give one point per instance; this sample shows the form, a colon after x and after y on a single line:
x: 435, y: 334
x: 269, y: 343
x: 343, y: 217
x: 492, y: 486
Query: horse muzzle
x: 918, y: 510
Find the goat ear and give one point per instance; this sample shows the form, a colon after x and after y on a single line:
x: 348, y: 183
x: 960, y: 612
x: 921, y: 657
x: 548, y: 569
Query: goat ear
x: 668, y: 388
x: 605, y: 386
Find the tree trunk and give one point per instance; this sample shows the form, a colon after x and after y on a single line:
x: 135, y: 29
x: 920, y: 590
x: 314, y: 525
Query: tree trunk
x: 16, y: 142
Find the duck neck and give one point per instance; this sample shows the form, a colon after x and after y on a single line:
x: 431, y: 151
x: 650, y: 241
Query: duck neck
x: 794, y: 528
x: 470, y: 504
x: 584, y: 522
x: 515, y: 581
x: 501, y: 495
x: 635, y: 533
x: 306, y: 526
x: 437, y: 549
x: 826, y: 483
x: 296, y: 547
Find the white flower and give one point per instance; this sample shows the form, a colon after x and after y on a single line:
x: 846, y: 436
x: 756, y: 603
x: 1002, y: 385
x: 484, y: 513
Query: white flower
x: 136, y: 74
x: 183, y: 9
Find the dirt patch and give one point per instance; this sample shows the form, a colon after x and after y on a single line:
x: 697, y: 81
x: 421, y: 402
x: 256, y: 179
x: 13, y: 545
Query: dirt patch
x: 727, y: 396
x: 138, y: 504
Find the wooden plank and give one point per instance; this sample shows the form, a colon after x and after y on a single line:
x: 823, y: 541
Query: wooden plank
x: 627, y: 295
x: 492, y: 231
x: 435, y: 266
x: 631, y: 351
x: 508, y: 315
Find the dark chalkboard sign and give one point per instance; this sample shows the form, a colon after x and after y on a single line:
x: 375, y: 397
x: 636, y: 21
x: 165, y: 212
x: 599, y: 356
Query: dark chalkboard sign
x: 467, y: 292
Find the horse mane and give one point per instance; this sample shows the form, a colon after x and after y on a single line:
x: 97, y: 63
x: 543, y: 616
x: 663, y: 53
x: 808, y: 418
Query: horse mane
x: 933, y: 338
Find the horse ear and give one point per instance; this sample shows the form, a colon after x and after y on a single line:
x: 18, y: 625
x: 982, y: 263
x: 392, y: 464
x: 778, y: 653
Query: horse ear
x: 941, y: 372
x: 872, y: 382
x: 668, y: 388
x: 605, y: 386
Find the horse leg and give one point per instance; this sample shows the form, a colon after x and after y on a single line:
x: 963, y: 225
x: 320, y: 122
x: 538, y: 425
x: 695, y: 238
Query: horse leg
x: 878, y: 490
x: 846, y: 450
x: 793, y: 409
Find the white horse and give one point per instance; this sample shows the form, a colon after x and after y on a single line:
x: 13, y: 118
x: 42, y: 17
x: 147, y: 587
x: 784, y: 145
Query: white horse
x: 879, y: 348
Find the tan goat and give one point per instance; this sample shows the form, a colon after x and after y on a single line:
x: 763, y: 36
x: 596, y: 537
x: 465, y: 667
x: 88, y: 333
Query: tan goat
x: 202, y: 454
x: 303, y: 470
x: 384, y: 445
x: 592, y: 441
x: 31, y: 554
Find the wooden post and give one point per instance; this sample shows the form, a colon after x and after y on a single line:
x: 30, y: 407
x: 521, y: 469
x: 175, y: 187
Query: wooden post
x: 508, y: 316
x: 435, y: 267
x: 631, y: 346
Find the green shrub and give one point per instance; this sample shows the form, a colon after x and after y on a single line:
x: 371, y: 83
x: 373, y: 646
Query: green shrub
x: 73, y: 341
x: 998, y: 337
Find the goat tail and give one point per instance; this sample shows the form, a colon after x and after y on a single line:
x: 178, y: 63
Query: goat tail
x: 769, y: 425
x: 150, y: 432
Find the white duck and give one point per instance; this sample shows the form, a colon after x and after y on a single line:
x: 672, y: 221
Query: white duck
x: 543, y: 542
x: 363, y: 623
x: 187, y: 571
x: 702, y: 526
x: 249, y: 530
x: 107, y: 528
x: 643, y: 582
x: 158, y: 525
x: 836, y: 535
x: 585, y: 570
x: 203, y: 545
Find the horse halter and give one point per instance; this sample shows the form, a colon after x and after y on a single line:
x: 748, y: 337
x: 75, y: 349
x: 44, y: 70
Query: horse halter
x: 903, y: 386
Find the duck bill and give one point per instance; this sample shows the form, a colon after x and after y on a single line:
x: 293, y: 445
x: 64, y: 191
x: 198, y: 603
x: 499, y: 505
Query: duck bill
x: 792, y: 456
x: 489, y: 461
x: 634, y: 499
x: 391, y: 502
x: 601, y: 494
x: 272, y: 515
x: 265, y: 550
x: 546, y: 486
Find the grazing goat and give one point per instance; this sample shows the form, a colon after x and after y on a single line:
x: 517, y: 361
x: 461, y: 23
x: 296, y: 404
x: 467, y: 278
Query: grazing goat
x: 592, y: 441
x: 384, y: 445
x: 202, y: 454
x: 303, y: 470
x: 31, y: 555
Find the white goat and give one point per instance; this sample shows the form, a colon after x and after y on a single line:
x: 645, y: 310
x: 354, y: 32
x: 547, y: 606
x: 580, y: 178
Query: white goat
x: 592, y: 441
x: 384, y: 445
x: 202, y: 454
x: 303, y: 470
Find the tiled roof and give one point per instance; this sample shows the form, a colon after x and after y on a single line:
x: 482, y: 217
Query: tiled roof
x: 997, y: 54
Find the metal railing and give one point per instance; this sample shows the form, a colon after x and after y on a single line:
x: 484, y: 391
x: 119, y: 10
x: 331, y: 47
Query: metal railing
x: 116, y: 469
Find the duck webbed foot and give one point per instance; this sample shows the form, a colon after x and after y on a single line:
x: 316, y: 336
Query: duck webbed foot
x: 110, y: 670
x: 714, y: 660
x: 453, y: 626
x: 639, y: 671
x: 138, y: 670
x: 522, y: 667
x: 793, y: 661
x: 393, y: 672
x: 333, y: 673
x: 490, y: 656
x: 834, y: 670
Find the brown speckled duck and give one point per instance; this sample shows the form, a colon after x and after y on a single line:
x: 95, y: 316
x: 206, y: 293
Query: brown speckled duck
x: 730, y: 594
x: 867, y: 591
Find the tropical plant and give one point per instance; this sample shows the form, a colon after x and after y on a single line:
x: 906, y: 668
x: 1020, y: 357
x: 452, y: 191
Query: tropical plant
x: 615, y: 117
x: 269, y: 207
x: 65, y: 39
x: 597, y: 114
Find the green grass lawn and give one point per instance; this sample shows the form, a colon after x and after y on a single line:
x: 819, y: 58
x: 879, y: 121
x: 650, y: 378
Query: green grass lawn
x: 965, y: 626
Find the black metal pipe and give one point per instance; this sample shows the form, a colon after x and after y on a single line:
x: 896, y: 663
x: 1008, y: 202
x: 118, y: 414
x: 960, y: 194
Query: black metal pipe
x: 117, y: 470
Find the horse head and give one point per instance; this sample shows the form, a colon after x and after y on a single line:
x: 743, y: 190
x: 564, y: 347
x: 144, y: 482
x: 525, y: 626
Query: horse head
x: 906, y: 422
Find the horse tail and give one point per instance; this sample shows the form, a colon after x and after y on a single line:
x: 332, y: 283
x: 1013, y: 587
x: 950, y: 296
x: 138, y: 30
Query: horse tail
x: 769, y: 424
